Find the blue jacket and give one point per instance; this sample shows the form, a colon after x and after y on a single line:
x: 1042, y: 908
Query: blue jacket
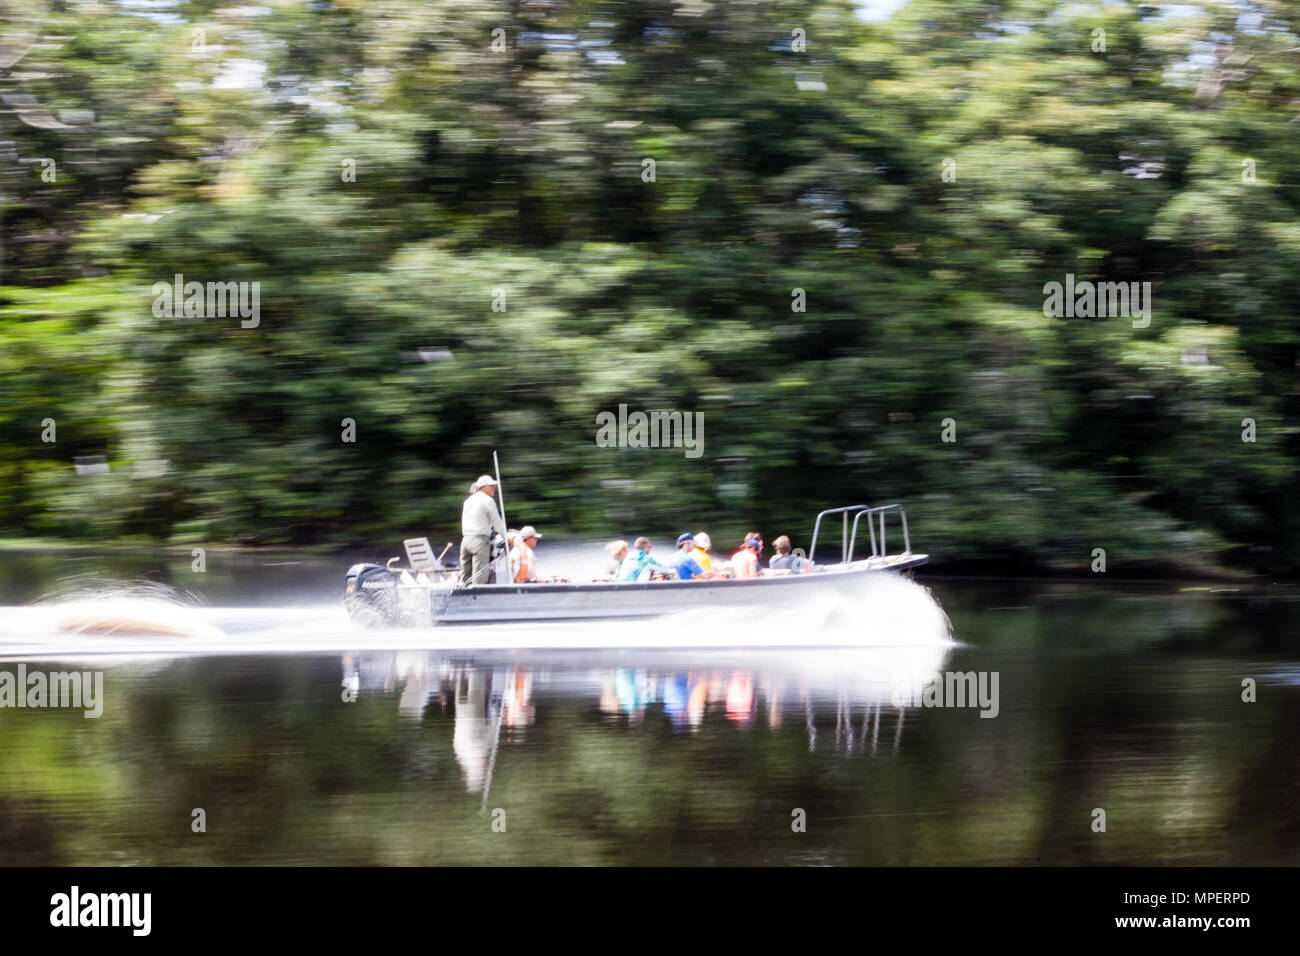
x: 686, y: 566
x: 637, y: 565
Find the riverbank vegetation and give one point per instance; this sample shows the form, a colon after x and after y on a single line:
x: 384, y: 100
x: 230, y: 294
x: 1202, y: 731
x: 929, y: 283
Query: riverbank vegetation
x: 466, y: 240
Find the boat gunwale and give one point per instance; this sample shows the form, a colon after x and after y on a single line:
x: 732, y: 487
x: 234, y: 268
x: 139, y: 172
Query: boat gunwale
x: 864, y: 566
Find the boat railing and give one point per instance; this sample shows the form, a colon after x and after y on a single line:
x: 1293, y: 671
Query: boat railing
x: 849, y: 533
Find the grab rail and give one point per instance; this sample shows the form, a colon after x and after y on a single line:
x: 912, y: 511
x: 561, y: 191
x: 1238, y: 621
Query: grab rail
x: 844, y: 551
x: 850, y: 538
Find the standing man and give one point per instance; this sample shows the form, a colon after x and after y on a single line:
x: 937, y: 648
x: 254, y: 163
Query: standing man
x: 478, y: 519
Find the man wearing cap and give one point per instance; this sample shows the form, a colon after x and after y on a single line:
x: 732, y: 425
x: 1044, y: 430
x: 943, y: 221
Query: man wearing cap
x: 683, y: 563
x: 478, y: 519
x: 687, y: 565
x: 523, y: 567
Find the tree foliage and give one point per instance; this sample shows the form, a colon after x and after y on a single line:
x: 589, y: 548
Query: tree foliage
x: 384, y: 170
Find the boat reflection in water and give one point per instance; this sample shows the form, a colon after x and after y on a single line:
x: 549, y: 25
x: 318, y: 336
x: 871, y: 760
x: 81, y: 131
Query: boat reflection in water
x: 493, y: 697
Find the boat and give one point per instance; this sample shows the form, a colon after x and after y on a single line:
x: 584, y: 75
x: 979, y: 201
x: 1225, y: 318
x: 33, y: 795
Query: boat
x: 428, y: 592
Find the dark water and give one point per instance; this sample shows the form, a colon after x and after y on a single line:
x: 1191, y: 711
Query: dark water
x: 1113, y: 696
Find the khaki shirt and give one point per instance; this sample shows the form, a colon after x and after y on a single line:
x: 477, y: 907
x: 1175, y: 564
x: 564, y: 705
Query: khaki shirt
x: 480, y: 516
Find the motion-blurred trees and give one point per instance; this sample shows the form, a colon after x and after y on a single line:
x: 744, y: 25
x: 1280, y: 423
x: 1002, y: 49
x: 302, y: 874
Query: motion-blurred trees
x: 383, y: 170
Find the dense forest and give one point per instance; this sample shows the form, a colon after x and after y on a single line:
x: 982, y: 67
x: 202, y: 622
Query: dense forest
x: 479, y: 225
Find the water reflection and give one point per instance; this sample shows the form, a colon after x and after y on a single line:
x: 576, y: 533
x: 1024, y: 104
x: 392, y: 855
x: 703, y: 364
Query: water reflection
x: 491, y: 701
x: 1111, y: 698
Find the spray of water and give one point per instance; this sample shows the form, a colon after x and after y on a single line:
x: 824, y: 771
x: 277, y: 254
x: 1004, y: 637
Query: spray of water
x: 79, y: 610
x: 152, y: 619
x: 886, y: 611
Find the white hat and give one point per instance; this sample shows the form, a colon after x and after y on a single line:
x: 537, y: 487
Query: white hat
x: 702, y: 540
x: 528, y: 531
x: 484, y: 480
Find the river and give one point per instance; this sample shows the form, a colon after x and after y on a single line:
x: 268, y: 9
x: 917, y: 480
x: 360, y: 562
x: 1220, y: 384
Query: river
x: 1080, y: 722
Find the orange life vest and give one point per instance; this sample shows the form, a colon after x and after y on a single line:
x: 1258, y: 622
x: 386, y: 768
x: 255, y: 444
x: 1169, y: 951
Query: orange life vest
x: 521, y: 559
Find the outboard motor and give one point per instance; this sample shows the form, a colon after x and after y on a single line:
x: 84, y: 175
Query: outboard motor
x: 370, y: 595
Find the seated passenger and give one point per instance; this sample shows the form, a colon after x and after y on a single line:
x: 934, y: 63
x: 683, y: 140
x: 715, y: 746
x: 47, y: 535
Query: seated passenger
x: 684, y: 562
x: 617, y: 551
x: 523, y: 566
x: 638, y: 565
x: 784, y: 560
x: 703, y: 545
x: 744, y: 563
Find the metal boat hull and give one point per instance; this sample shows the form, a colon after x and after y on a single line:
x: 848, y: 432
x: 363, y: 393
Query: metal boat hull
x: 498, y: 603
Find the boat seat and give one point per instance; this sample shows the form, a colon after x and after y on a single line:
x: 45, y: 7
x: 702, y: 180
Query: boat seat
x: 420, y: 556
